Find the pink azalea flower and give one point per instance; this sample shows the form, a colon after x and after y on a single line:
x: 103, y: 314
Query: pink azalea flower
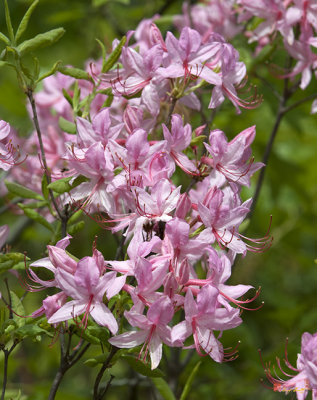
x: 202, y: 317
x: 153, y: 330
x: 306, y: 371
x: 177, y: 140
x: 232, y: 159
x: 187, y: 56
x: 87, y: 288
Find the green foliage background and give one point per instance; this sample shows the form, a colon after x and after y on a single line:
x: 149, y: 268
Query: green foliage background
x: 286, y: 273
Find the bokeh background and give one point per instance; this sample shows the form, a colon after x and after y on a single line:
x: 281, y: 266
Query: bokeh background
x: 287, y: 272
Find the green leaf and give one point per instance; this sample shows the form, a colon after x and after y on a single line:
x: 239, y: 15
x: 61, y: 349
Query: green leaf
x: 50, y: 72
x: 163, y: 388
x: 109, y: 101
x: 114, y: 56
x: 8, y: 21
x: 15, y: 257
x: 67, y: 126
x: 103, y: 49
x: 141, y: 367
x: 18, y: 309
x: 98, y: 3
x: 41, y: 40
x: 5, y: 63
x: 62, y: 185
x: 32, y: 214
x: 75, y: 73
x: 68, y: 97
x: 92, y: 362
x: 99, y: 332
x: 197, y: 231
x: 76, y: 97
x: 22, y: 191
x: 12, y: 261
x: 30, y: 330
x: 73, y: 229
x: 165, y: 19
x: 45, y: 190
x: 4, y: 39
x: 189, y: 381
x: 197, y: 140
x: 75, y: 217
x: 25, y: 20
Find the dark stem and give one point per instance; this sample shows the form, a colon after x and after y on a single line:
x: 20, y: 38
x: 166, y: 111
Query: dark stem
x: 98, y: 393
x: 5, y: 368
x: 265, y: 159
x: 103, y: 393
x: 171, y: 110
x: 67, y: 361
x: 165, y: 6
x: 287, y: 93
x: 300, y: 102
x: 30, y: 96
x: 9, y: 298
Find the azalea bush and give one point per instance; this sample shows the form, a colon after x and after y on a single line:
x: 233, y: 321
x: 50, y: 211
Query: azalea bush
x: 131, y: 232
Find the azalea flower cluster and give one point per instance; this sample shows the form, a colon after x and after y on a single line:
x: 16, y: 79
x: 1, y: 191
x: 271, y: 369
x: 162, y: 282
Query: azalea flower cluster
x: 181, y: 241
x: 294, y: 20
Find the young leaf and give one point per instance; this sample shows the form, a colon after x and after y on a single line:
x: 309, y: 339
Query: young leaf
x: 75, y: 217
x: 62, y: 185
x: 30, y: 331
x: 197, y: 140
x: 67, y: 126
x: 109, y: 101
x: 45, y: 190
x: 12, y: 261
x: 36, y: 216
x: 8, y: 21
x: 4, y: 39
x: 142, y: 368
x: 103, y: 49
x: 68, y: 97
x: 114, y: 56
x: 75, y: 73
x: 6, y: 63
x: 18, y: 309
x: 40, y: 40
x: 92, y: 362
x: 76, y: 227
x: 25, y: 20
x: 163, y: 388
x: 189, y: 381
x: 50, y: 72
x: 22, y: 191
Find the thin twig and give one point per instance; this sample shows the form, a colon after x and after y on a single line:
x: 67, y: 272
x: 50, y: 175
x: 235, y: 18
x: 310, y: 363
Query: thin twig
x: 66, y: 362
x: 171, y: 110
x: 280, y: 114
x: 30, y: 96
x: 9, y: 297
x: 102, y: 394
x: 300, y: 102
x: 98, y: 395
x: 5, y: 367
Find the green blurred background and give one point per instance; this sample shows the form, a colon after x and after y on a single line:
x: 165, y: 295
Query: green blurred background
x: 286, y: 273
